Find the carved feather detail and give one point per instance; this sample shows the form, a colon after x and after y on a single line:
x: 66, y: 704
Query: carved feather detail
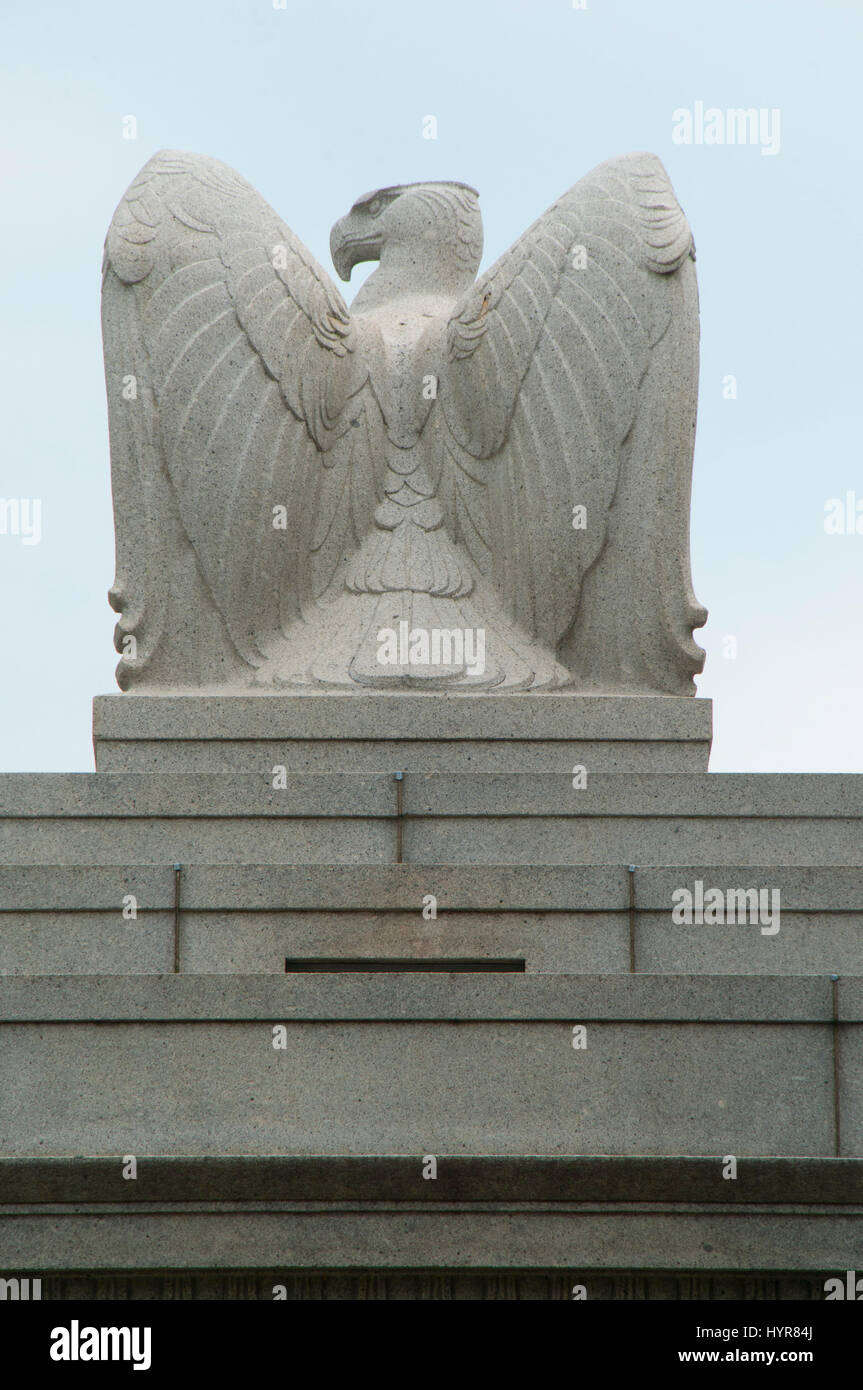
x: 288, y: 473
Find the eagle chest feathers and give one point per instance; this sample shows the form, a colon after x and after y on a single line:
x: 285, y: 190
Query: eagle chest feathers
x: 307, y: 496
x: 405, y: 555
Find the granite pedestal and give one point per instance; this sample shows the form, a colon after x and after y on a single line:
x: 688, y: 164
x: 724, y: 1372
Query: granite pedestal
x: 435, y: 1034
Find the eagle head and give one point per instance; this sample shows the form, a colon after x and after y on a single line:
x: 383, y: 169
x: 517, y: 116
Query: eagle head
x: 423, y: 221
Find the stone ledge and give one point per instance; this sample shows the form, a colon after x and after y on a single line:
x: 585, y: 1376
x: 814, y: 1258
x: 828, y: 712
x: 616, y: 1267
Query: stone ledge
x: 484, y: 888
x: 368, y: 756
x: 798, y: 797
x: 704, y: 1239
x: 400, y: 997
x: 398, y: 1178
x: 407, y: 715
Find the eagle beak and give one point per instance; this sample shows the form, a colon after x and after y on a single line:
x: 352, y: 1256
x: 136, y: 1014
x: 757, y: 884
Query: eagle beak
x: 349, y: 245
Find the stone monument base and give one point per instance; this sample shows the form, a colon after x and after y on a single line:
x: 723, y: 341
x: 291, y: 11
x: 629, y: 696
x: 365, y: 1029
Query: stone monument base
x: 435, y: 1034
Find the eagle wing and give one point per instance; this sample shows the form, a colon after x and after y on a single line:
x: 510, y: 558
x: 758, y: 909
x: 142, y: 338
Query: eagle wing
x: 571, y: 384
x: 244, y: 450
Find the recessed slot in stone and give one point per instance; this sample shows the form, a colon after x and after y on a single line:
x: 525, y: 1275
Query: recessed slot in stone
x: 367, y: 964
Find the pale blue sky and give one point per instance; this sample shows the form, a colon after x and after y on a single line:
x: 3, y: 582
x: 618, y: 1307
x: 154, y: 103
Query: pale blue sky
x: 319, y: 102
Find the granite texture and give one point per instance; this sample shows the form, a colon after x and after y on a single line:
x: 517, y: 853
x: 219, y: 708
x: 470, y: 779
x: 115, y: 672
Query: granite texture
x: 443, y: 818
x: 409, y: 715
x: 57, y: 1214
x: 380, y: 733
x: 427, y: 1064
x: 333, y: 888
x: 734, y: 796
x: 447, y: 1084
x: 543, y: 843
x: 230, y: 943
x: 413, y: 733
x: 407, y: 998
x: 395, y: 1178
x: 568, y: 920
x: 643, y: 1239
x: 306, y: 756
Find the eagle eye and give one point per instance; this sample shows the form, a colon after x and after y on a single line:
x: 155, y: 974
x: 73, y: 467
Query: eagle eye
x: 375, y: 206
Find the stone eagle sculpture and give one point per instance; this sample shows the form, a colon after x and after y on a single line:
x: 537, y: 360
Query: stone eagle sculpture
x: 458, y: 483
